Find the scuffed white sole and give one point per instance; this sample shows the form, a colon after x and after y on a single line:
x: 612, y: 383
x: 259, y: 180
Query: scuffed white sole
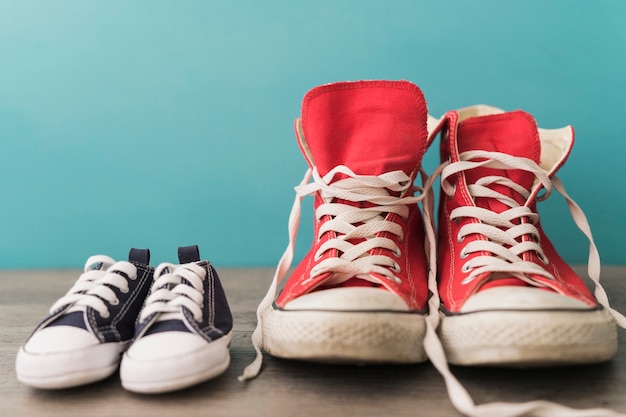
x: 344, y: 336
x: 529, y: 338
x: 175, y: 373
x: 60, y: 370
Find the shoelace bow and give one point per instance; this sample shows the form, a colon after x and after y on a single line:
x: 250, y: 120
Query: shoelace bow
x: 176, y: 286
x: 94, y: 286
x: 506, y: 259
x: 348, y: 222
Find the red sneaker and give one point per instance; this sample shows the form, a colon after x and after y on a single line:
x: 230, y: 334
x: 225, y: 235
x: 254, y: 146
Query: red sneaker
x: 359, y: 295
x: 507, y: 297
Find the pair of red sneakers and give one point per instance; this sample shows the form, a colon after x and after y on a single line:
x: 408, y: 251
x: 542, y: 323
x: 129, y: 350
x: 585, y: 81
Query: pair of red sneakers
x: 379, y: 286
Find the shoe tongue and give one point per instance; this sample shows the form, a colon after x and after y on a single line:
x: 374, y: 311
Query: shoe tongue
x: 188, y: 254
x: 372, y: 127
x: 139, y: 256
x: 513, y: 133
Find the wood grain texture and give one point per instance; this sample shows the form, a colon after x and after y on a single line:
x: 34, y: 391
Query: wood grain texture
x: 287, y: 388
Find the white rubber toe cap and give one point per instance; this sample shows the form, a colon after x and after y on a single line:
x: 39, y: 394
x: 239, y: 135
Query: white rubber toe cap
x: 349, y: 299
x: 520, y: 298
x: 165, y: 345
x: 60, y: 339
x: 65, y: 356
x: 168, y: 361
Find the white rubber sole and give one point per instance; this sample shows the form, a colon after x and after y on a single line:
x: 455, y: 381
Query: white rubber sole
x: 344, y: 336
x: 61, y: 370
x: 529, y: 338
x: 175, y: 372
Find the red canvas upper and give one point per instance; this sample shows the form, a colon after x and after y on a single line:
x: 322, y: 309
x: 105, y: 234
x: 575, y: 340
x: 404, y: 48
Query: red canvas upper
x: 513, y: 133
x: 372, y: 127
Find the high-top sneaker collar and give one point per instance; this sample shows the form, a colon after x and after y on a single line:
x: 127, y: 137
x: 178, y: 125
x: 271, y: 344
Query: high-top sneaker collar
x: 514, y: 133
x: 366, y: 125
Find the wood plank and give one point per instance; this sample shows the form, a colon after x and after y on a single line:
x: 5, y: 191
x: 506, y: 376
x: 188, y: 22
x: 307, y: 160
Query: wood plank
x: 287, y: 388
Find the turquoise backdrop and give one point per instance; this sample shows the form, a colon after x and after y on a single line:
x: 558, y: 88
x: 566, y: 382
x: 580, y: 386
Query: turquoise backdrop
x: 153, y: 123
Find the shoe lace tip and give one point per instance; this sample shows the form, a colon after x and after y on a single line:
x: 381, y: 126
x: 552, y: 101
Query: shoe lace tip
x: 250, y: 372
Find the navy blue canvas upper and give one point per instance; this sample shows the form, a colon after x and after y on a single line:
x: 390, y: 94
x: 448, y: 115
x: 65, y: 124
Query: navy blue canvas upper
x: 217, y: 318
x: 119, y: 326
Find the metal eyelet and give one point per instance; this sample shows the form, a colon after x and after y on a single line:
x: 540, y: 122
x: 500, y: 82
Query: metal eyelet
x: 397, y: 252
x: 466, y: 268
x: 463, y: 253
x: 115, y: 302
x: 396, y: 268
x: 460, y: 238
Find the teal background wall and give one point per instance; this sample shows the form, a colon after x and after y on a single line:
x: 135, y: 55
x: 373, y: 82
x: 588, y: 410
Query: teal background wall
x: 153, y: 123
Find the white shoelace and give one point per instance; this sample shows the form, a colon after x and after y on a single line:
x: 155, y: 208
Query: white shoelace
x: 93, y: 287
x: 170, y: 292
x: 458, y: 395
x: 506, y: 259
x: 355, y: 260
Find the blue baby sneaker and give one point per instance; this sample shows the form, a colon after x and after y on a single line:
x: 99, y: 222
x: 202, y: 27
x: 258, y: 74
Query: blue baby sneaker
x: 184, y: 329
x: 82, y: 338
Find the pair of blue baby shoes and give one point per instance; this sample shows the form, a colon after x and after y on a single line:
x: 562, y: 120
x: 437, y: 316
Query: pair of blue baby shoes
x: 166, y: 328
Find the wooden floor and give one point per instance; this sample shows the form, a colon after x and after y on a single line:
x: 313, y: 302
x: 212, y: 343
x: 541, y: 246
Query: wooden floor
x: 287, y: 388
